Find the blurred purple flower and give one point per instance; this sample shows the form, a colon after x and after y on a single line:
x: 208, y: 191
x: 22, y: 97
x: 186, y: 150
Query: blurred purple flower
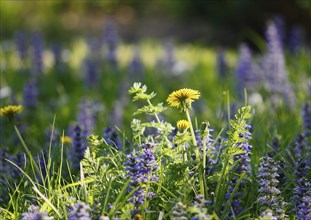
x: 86, y: 117
x: 167, y: 61
x: 51, y: 138
x: 245, y: 72
x: 280, y: 28
x: 21, y: 45
x: 79, y: 147
x: 136, y: 67
x: 274, y: 69
x: 221, y: 64
x: 295, y: 40
x: 112, y: 138
x: 37, y: 54
x: 59, y: 59
x: 300, y: 145
x: 111, y: 40
x: 91, y: 73
x: 306, y: 118
x: 31, y: 93
x: 20, y: 160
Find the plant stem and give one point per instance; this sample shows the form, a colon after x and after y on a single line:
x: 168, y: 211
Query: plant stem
x: 222, y: 177
x: 33, y: 164
x: 194, y: 141
x: 185, y: 153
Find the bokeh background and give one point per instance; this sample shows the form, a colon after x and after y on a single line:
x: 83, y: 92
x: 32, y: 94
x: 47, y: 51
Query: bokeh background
x: 226, y: 22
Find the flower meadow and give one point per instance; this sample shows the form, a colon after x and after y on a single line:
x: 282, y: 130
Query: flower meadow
x: 102, y: 129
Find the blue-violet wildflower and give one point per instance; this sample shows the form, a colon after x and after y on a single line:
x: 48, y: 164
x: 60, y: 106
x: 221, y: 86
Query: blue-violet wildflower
x: 34, y: 214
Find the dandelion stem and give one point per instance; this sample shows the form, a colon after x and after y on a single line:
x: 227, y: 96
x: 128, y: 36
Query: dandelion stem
x: 192, y: 131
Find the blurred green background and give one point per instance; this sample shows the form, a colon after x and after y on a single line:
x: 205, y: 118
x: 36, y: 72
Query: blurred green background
x: 224, y: 21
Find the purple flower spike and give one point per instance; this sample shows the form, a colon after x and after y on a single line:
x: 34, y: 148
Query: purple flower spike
x: 34, y: 214
x: 141, y: 170
x: 21, y: 45
x: 221, y: 64
x: 111, y: 40
x: 80, y: 212
x: 78, y: 147
x: 269, y: 193
x: 86, y: 117
x: 245, y: 72
x: 31, y: 93
x: 274, y: 69
x: 37, y: 58
x: 306, y: 117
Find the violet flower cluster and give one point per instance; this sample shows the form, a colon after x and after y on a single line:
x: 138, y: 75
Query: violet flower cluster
x: 86, y: 117
x: 306, y: 118
x: 136, y: 67
x: 141, y: 170
x: 245, y: 71
x: 275, y: 70
x: 268, y: 188
x: 19, y: 160
x: 51, y: 137
x: 80, y: 212
x: 300, y: 145
x: 21, y: 45
x: 302, y: 191
x: 295, y: 40
x: 35, y: 214
x: 110, y: 40
x: 221, y: 64
x: 199, y: 206
x: 167, y: 62
x: 31, y: 93
x: 304, y: 209
x: 91, y: 73
x: 37, y: 52
x: 179, y: 212
x: 112, y: 138
x: 79, y: 147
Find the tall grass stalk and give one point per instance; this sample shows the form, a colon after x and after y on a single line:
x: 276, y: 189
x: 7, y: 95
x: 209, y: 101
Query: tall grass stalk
x: 33, y: 163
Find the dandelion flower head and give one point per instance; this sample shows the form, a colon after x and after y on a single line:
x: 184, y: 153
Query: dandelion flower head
x: 183, y: 98
x: 10, y: 111
x: 183, y: 125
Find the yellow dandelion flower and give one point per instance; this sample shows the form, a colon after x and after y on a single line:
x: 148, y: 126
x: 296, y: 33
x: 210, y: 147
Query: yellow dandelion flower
x: 10, y: 111
x: 183, y: 98
x: 183, y: 125
x: 65, y: 140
